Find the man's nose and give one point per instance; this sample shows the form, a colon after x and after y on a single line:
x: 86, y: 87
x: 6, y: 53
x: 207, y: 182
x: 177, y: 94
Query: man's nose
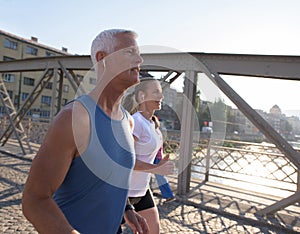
x: 139, y: 59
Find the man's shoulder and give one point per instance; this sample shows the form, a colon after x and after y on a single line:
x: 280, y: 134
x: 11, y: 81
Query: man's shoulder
x: 71, y: 113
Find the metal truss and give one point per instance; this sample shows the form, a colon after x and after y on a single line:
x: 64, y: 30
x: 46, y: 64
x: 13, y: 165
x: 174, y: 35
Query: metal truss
x: 213, y: 65
x: 55, y: 72
x: 15, y: 125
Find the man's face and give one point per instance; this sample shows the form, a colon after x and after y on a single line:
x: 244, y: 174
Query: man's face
x: 123, y: 65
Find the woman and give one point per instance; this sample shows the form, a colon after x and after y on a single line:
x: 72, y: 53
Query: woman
x: 148, y: 140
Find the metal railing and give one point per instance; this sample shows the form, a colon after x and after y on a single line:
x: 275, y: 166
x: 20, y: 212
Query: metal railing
x: 258, y: 167
x: 252, y: 166
x: 35, y: 128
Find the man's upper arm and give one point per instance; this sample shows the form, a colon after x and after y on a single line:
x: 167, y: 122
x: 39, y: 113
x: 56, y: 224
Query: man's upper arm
x: 54, y: 157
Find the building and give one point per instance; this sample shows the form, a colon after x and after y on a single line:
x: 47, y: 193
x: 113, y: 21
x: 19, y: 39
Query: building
x: 20, y: 85
x: 168, y: 114
x: 294, y: 121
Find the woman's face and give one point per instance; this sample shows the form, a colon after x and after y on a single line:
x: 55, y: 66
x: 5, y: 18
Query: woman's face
x: 153, y: 95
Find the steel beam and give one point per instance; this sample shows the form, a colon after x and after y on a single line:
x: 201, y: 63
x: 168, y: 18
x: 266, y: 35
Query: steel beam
x: 186, y: 138
x: 269, y: 66
x: 40, y: 64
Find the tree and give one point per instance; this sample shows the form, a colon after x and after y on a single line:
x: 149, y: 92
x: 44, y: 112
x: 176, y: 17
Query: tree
x: 218, y: 113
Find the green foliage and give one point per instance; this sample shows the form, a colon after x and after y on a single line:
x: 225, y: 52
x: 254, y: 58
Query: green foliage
x: 218, y: 112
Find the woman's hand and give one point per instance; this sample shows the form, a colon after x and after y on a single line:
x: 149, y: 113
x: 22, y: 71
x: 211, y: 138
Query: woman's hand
x: 165, y: 167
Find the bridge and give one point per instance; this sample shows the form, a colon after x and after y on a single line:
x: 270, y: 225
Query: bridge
x: 188, y: 65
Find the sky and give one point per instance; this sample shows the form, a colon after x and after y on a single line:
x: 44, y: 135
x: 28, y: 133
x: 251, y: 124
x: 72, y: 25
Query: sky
x: 211, y: 26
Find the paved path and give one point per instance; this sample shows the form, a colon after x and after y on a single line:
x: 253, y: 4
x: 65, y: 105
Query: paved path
x: 176, y: 216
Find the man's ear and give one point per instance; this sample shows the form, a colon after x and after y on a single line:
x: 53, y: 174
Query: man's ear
x: 141, y: 96
x: 100, y: 55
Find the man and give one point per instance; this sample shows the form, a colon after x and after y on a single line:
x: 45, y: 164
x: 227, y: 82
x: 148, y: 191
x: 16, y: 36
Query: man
x: 79, y: 179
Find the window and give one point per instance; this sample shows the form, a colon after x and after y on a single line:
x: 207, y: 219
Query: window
x: 79, y: 77
x: 8, y: 77
x: 46, y: 100
x: 44, y: 114
x: 31, y: 50
x: 2, y: 109
x: 93, y: 80
x: 49, y: 54
x: 28, y: 81
x: 49, y: 85
x: 10, y: 44
x: 64, y: 101
x: 24, y: 96
x: 10, y: 93
x: 16, y: 101
x: 29, y: 113
x: 5, y: 58
x: 66, y: 88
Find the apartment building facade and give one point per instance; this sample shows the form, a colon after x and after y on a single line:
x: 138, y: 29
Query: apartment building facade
x: 20, y: 84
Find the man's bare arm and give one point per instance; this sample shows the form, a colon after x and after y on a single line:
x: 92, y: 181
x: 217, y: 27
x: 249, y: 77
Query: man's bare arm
x: 48, y: 171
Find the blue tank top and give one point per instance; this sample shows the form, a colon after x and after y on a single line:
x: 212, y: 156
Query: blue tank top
x: 94, y: 192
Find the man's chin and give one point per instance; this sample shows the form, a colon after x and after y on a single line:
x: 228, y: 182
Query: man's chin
x: 132, y: 82
x: 135, y: 80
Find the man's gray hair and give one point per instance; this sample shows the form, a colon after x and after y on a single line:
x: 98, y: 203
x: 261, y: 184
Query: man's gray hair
x: 106, y: 41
